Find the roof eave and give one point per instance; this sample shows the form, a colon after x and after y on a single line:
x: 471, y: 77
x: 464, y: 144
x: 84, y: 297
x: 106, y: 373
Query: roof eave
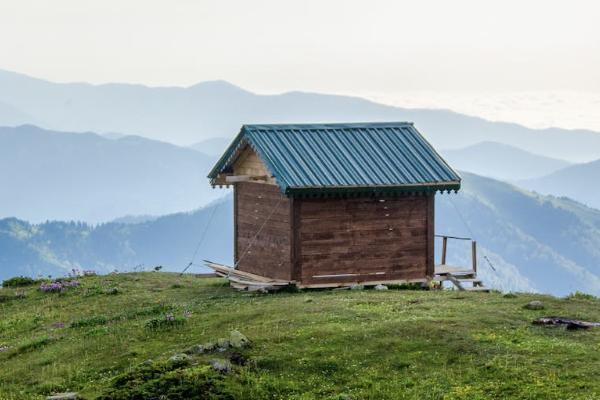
x: 375, y: 189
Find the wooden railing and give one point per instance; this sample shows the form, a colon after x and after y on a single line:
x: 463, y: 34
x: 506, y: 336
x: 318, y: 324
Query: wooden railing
x: 445, y: 249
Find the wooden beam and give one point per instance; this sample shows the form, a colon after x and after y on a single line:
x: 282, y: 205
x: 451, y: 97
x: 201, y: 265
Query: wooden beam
x: 364, y: 283
x: 444, y: 249
x: 474, y: 255
x: 245, y: 178
x: 430, y: 269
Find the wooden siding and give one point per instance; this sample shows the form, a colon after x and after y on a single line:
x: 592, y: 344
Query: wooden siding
x: 269, y: 253
x: 364, y: 239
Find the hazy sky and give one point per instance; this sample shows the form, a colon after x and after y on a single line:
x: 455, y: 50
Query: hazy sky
x: 337, y: 46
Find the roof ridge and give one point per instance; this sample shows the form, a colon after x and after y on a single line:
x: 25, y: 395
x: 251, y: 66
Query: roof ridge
x: 327, y: 125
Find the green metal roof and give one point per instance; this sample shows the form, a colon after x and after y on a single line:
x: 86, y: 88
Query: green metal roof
x: 309, y: 159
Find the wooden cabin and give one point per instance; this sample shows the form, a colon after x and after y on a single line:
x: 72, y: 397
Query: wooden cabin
x: 332, y: 204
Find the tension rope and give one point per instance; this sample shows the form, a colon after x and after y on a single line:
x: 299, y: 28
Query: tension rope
x: 257, y: 233
x: 464, y: 221
x: 202, y: 237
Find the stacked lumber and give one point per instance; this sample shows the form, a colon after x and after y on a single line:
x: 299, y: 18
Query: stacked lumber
x: 242, y: 280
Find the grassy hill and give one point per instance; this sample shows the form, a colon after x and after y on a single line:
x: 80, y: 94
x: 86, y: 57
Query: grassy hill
x: 105, y: 339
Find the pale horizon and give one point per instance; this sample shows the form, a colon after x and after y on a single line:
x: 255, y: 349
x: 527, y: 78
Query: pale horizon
x: 273, y: 46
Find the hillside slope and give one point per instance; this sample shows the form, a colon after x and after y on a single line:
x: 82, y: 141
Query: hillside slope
x: 47, y: 175
x: 501, y: 161
x: 107, y: 339
x: 554, y: 243
x: 218, y: 109
x: 577, y: 182
x: 536, y: 243
x: 54, y: 248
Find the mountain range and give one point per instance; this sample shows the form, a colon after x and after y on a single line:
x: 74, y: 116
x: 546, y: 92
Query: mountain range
x: 217, y: 109
x: 56, y: 247
x: 534, y: 242
x: 502, y: 161
x: 49, y: 175
x: 578, y: 182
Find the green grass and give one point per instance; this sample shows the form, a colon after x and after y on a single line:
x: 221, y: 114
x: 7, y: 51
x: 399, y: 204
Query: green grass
x: 395, y: 344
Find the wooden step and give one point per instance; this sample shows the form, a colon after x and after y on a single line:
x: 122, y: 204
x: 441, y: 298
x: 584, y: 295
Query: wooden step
x: 472, y: 280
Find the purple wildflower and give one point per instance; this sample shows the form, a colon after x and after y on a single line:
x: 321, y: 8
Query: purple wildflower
x: 169, y: 317
x: 3, y: 348
x: 51, y: 287
x: 187, y: 313
x: 73, y: 283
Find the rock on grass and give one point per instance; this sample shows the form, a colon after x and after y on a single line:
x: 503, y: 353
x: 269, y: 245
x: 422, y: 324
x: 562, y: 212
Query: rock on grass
x: 534, y: 305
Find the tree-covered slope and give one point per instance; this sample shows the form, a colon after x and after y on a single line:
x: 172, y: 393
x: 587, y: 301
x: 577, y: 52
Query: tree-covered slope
x: 170, y: 241
x: 578, y: 182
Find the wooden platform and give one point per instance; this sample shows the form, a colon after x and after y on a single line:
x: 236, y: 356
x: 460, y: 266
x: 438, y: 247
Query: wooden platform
x: 460, y: 277
x: 247, y: 281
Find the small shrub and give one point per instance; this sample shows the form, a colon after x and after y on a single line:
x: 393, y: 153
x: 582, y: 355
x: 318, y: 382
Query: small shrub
x: 5, y: 297
x: 408, y: 286
x: 34, y: 345
x: 166, y: 322
x: 581, y: 296
x: 19, y: 281
x: 91, y: 321
x: 78, y: 272
x: 510, y: 296
x: 97, y: 331
x: 166, y: 380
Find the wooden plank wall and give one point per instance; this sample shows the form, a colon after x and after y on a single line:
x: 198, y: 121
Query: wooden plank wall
x: 270, y: 253
x: 365, y: 236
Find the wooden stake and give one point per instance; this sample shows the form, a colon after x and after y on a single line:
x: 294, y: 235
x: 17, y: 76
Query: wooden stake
x: 474, y: 255
x: 444, y: 248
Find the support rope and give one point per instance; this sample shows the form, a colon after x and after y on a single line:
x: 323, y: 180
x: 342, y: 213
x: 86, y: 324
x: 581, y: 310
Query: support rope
x: 258, y: 233
x: 202, y: 237
x: 464, y: 221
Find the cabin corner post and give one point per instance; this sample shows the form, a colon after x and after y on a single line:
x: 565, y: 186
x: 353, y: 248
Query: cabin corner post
x: 235, y: 224
x: 430, y: 268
